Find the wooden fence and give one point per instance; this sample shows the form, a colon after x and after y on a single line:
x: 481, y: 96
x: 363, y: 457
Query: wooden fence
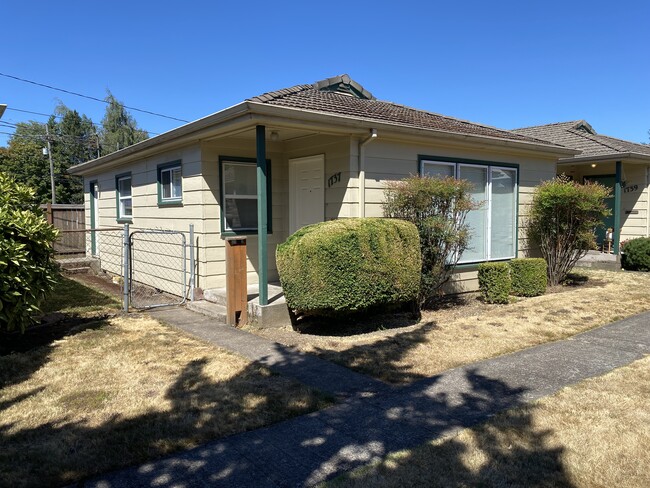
x: 67, y: 217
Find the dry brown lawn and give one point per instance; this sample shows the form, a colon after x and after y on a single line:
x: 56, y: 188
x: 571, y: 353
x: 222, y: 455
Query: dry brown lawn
x: 471, y: 331
x: 119, y: 390
x: 594, y: 434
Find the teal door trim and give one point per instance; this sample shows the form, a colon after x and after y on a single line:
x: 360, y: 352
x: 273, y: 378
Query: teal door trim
x: 93, y: 218
x: 617, y: 207
x: 262, y: 216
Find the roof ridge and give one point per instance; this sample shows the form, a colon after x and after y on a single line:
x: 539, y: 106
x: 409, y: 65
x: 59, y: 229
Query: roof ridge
x: 626, y: 141
x: 593, y: 138
x: 277, y: 94
x: 575, y: 122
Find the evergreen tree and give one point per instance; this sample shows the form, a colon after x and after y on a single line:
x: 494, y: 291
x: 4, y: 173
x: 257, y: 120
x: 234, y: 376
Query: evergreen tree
x: 119, y: 128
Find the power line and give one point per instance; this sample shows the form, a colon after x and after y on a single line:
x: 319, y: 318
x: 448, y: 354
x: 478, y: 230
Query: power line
x: 61, y: 116
x: 89, y: 97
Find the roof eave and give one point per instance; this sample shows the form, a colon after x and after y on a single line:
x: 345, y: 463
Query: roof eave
x: 605, y: 157
x: 353, y: 122
x: 172, y: 137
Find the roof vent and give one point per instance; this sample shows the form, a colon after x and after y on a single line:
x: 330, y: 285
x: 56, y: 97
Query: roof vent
x: 343, y: 85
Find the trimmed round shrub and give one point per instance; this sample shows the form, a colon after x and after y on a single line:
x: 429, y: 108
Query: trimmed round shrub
x: 529, y: 276
x: 495, y: 282
x: 350, y: 265
x: 636, y: 254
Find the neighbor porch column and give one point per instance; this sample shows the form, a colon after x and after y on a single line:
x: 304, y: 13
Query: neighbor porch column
x: 262, y: 213
x: 617, y: 207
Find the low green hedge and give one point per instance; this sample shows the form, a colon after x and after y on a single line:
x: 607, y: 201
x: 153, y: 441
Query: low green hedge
x: 494, y: 282
x: 349, y: 265
x: 529, y: 276
x: 636, y: 254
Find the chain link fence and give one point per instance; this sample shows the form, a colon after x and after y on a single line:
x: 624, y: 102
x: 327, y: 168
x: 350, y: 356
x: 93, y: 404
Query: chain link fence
x: 153, y: 267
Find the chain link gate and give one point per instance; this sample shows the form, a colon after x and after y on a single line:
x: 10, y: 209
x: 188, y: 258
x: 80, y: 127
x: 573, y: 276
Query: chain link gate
x: 157, y: 268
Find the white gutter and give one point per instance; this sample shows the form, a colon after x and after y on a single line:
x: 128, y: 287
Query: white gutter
x: 362, y: 170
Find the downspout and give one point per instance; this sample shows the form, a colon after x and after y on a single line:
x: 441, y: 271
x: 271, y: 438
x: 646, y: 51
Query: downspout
x: 362, y: 171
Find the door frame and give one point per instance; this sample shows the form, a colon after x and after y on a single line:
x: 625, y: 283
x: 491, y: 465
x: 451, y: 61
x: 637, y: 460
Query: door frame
x: 292, y: 186
x: 94, y: 217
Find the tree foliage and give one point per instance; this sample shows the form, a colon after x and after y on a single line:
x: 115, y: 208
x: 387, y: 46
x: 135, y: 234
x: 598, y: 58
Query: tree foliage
x: 27, y: 268
x: 119, y: 128
x: 438, y: 207
x: 74, y: 139
x: 561, y: 222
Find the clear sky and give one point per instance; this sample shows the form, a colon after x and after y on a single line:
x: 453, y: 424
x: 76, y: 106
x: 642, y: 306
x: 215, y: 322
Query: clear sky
x: 508, y: 64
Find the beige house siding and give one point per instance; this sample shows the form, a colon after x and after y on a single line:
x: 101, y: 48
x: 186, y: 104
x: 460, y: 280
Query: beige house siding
x: 393, y: 160
x: 148, y: 215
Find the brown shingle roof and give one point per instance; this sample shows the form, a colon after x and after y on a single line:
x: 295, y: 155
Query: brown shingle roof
x: 342, y: 96
x: 578, y: 134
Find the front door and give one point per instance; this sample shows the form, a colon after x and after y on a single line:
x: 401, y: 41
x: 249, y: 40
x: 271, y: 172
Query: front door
x: 306, y: 191
x: 608, y: 222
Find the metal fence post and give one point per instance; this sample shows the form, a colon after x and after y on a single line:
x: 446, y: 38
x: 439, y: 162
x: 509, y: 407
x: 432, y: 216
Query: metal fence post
x: 125, y: 268
x: 192, y: 268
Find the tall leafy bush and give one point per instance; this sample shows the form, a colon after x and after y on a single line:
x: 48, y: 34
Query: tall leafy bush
x: 438, y: 207
x: 27, y: 268
x: 350, y: 265
x: 562, y: 220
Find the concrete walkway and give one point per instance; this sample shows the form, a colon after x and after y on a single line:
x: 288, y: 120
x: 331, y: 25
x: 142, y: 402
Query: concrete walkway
x: 309, y: 449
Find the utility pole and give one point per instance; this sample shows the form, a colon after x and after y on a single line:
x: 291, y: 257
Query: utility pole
x: 49, y: 154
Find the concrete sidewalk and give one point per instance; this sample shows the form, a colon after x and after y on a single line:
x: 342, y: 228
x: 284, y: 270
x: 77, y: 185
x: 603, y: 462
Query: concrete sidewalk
x: 313, y: 448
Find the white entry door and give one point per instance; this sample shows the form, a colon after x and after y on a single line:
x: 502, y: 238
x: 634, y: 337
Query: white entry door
x: 306, y: 191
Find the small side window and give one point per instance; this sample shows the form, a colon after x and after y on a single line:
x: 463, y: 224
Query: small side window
x: 170, y: 183
x: 124, y: 199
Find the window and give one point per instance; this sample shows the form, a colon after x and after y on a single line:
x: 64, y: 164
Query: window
x: 239, y: 195
x: 494, y: 224
x: 170, y: 186
x: 124, y: 200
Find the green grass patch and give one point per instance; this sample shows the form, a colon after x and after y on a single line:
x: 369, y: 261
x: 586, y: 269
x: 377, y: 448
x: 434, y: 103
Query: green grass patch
x: 71, y: 297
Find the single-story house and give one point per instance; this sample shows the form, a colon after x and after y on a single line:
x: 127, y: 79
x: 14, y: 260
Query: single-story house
x: 278, y: 161
x: 622, y: 166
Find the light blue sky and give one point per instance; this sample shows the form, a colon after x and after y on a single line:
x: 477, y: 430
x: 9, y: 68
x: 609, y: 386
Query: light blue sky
x: 508, y: 64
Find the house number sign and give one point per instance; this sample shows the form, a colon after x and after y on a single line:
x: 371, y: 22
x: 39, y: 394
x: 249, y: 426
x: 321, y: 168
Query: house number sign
x: 335, y: 178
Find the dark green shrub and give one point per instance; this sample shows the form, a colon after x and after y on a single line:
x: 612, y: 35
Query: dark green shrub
x: 636, y: 254
x: 561, y: 222
x: 349, y: 265
x: 528, y: 276
x: 494, y: 282
x: 438, y: 208
x: 27, y: 268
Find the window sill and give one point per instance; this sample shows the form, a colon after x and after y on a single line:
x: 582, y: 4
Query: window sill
x: 124, y: 220
x: 170, y: 203
x: 242, y: 233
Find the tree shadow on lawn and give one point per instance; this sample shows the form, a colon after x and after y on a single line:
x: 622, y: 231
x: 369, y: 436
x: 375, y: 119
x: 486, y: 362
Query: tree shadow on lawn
x: 302, y: 451
x: 311, y: 449
x: 200, y: 409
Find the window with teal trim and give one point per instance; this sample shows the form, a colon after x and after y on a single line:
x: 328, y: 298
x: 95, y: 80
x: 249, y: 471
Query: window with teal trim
x: 493, y: 225
x: 239, y: 195
x: 124, y: 198
x: 170, y: 184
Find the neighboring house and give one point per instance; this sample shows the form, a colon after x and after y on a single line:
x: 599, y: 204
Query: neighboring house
x: 276, y: 162
x: 622, y: 166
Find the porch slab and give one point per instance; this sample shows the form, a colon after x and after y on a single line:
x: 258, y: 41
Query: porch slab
x: 275, y: 314
x: 600, y: 260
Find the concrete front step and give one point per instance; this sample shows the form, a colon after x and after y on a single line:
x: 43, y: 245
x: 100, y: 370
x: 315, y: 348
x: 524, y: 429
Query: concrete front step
x: 209, y: 309
x: 275, y: 314
x: 80, y: 270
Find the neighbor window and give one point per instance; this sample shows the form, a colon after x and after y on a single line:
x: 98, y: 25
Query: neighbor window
x: 494, y: 224
x: 170, y: 187
x: 124, y: 200
x: 239, y: 195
